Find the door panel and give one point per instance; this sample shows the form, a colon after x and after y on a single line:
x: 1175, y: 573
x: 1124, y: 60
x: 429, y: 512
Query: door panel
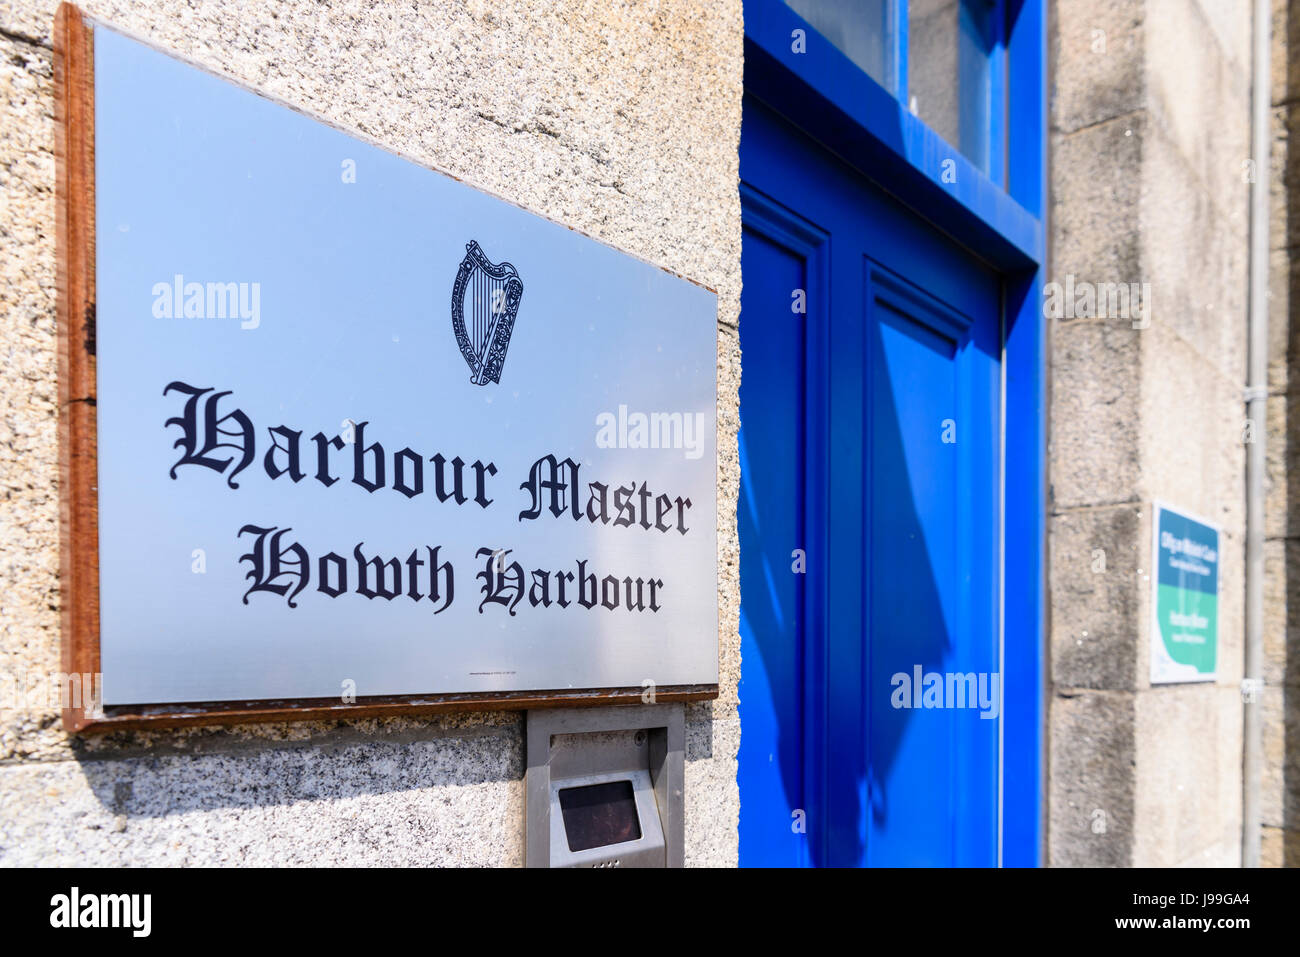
x: 932, y: 531
x: 869, y: 439
x: 771, y: 453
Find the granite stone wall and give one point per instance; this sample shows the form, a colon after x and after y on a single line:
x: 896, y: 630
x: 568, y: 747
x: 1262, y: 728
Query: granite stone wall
x: 1150, y: 134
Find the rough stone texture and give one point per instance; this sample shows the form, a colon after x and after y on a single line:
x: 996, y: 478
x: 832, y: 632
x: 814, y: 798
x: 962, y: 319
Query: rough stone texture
x: 454, y: 797
x: 1280, y: 787
x: 1194, y: 254
x: 1094, y: 413
x: 1100, y: 597
x: 1097, y: 48
x: 1279, y: 848
x: 1193, y: 461
x: 712, y: 813
x: 1090, y: 791
x: 1281, y: 452
x: 1150, y: 134
x: 1198, y: 100
x: 1188, y: 797
x: 1280, y: 705
x: 1281, y: 616
x: 1281, y: 345
x: 1282, y: 178
x: 1096, y: 201
x: 621, y: 120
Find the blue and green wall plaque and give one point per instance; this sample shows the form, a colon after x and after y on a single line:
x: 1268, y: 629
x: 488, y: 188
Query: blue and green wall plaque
x: 1184, y: 599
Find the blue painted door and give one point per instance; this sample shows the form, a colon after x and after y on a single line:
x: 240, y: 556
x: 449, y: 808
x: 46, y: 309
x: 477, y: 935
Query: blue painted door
x: 868, y: 517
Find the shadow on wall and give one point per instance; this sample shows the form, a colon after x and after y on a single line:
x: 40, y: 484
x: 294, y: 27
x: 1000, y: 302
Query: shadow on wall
x: 233, y: 769
x: 229, y: 770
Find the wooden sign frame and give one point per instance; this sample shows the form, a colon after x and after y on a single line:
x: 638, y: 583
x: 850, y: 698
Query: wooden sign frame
x: 78, y: 500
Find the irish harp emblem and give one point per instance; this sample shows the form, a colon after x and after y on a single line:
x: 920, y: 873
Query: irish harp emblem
x: 484, y: 303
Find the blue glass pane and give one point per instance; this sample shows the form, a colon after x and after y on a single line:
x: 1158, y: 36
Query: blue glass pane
x: 948, y: 47
x: 861, y: 29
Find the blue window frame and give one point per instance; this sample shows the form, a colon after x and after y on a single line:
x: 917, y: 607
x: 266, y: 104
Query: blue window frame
x: 944, y: 60
x: 866, y: 31
x: 857, y: 103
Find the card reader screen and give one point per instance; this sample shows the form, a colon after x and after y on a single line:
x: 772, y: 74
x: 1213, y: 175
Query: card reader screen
x: 599, y: 814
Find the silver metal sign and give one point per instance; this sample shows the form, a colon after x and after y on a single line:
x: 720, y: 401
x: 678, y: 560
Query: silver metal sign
x: 365, y: 430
